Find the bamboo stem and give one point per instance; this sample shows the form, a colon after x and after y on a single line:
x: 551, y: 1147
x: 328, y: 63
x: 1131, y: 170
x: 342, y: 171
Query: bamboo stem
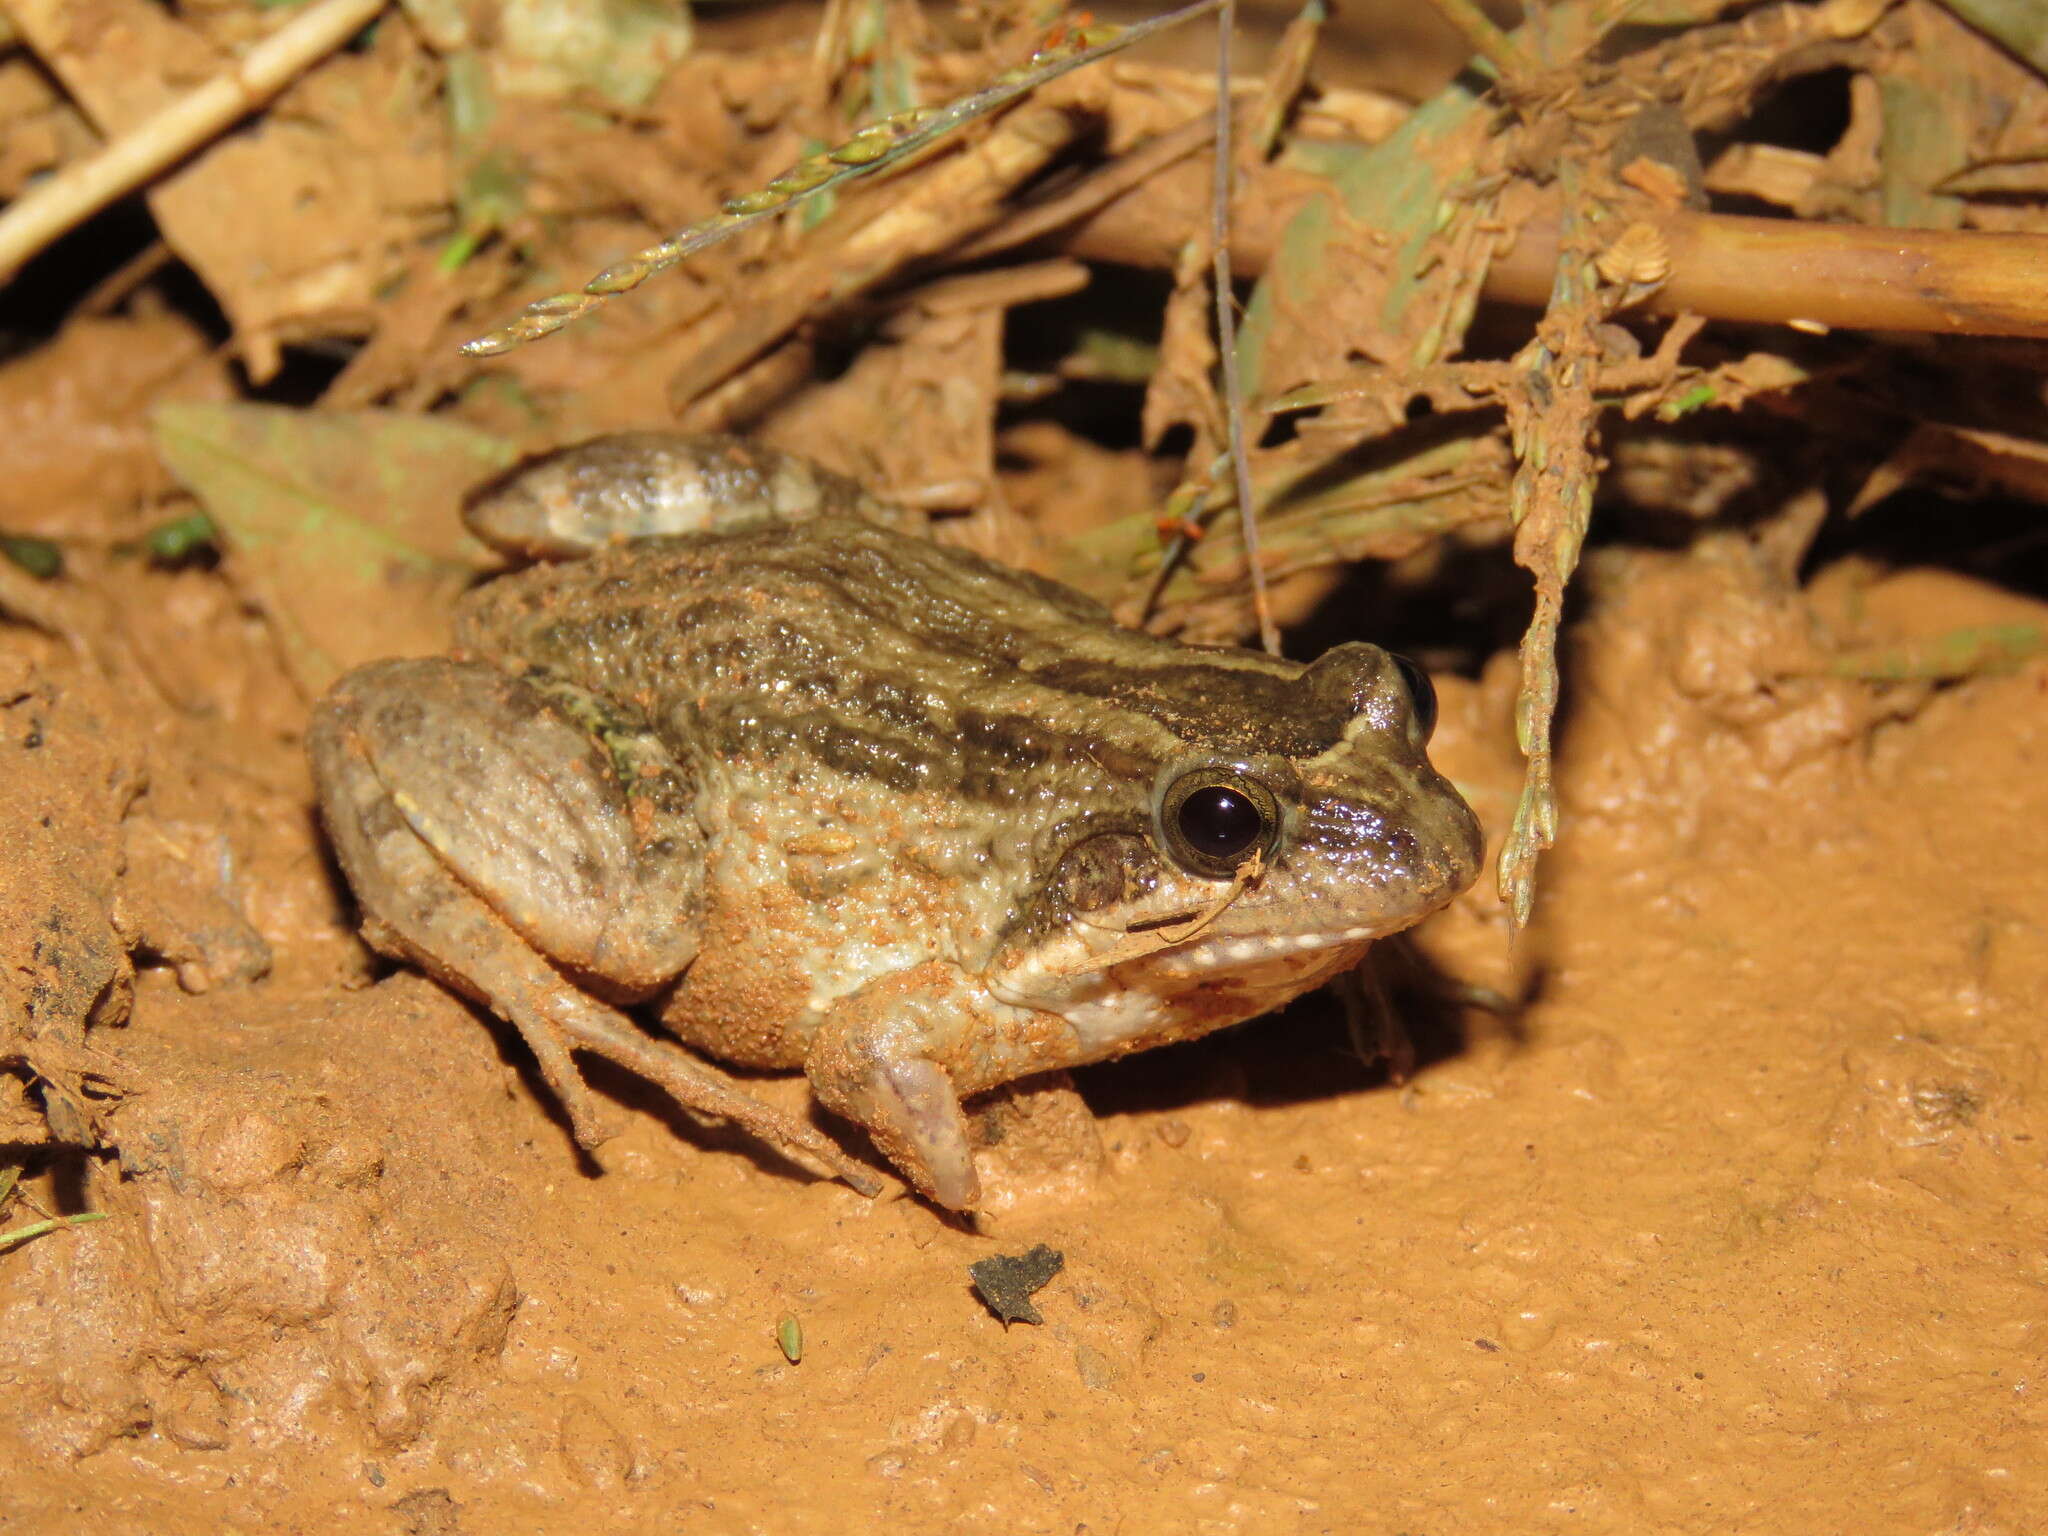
x: 1856, y: 276
x: 1723, y: 267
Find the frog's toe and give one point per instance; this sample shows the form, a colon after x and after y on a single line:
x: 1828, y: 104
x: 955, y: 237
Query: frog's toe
x: 930, y: 1133
x: 909, y: 1107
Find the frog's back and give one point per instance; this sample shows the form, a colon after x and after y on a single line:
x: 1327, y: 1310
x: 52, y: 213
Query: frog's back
x: 664, y: 598
x: 893, y: 657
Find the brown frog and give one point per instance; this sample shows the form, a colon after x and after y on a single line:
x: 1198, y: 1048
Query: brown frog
x: 820, y: 793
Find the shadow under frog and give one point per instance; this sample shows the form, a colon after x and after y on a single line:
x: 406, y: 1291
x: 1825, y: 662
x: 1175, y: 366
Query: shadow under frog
x: 747, y: 752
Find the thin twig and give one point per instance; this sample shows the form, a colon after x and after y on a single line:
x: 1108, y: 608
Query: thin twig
x: 111, y: 291
x: 37, y: 218
x: 1226, y: 329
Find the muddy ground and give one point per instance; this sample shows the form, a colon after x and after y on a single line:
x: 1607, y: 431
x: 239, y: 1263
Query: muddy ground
x: 1730, y: 1222
x: 1714, y: 1203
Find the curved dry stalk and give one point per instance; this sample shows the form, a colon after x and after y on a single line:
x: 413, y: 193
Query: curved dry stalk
x: 40, y: 216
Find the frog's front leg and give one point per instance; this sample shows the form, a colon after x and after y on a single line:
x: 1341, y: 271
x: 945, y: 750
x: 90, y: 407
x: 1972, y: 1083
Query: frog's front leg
x: 898, y: 1055
x: 507, y: 835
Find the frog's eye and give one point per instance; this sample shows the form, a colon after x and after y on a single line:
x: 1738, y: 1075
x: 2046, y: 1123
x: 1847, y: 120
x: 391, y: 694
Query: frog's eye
x: 1216, y: 818
x: 1420, y: 690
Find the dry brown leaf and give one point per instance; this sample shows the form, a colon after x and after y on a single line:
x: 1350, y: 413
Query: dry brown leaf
x: 1183, y: 390
x: 80, y: 463
x: 914, y: 417
x: 297, y: 218
x: 1962, y: 460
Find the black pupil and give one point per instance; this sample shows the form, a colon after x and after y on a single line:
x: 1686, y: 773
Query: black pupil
x: 1421, y: 691
x: 1219, y: 822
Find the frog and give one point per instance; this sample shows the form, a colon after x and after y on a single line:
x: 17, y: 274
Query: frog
x: 738, y: 768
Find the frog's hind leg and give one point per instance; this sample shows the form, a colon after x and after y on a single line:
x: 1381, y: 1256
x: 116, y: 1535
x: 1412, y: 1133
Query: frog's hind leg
x: 482, y: 822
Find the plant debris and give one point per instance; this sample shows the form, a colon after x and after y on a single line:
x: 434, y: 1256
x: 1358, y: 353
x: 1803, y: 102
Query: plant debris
x: 327, y: 516
x: 41, y: 558
x: 1007, y: 1282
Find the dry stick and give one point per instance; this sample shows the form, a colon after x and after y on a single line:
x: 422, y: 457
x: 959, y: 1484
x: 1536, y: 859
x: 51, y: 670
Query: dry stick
x: 1030, y: 282
x: 35, y: 219
x: 111, y: 291
x: 1286, y: 76
x: 748, y: 394
x: 1226, y: 329
x: 1112, y: 180
x: 1850, y: 275
x: 1966, y: 282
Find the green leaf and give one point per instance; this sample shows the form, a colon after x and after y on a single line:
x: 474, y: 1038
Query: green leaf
x: 1971, y: 652
x: 1402, y: 187
x: 38, y: 1229
x: 39, y: 557
x: 343, y: 526
x: 2021, y: 25
x: 621, y: 49
x: 180, y: 538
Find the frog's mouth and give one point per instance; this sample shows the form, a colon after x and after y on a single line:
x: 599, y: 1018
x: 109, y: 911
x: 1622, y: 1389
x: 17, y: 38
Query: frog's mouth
x: 1153, y: 952
x: 1206, y: 952
x: 1187, y: 943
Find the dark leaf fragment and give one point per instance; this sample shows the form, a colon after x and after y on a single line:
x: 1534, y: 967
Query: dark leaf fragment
x: 1005, y: 1282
